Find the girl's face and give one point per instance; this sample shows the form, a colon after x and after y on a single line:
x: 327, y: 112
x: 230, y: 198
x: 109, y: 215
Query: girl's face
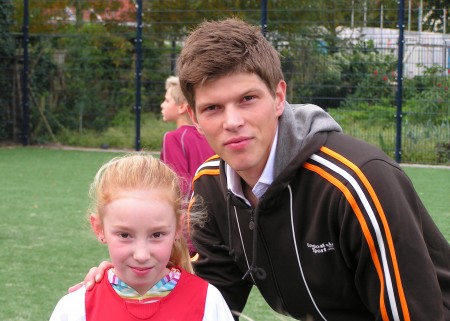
x: 139, y: 228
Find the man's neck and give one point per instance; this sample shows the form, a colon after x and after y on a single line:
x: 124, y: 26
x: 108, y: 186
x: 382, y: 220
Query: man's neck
x: 247, y: 189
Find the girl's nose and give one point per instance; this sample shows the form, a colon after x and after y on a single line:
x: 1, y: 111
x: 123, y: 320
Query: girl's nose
x: 141, y: 253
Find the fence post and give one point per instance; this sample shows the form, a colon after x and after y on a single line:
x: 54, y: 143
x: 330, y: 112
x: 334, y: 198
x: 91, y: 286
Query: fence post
x: 399, y: 96
x: 264, y: 17
x: 138, y: 47
x: 25, y: 101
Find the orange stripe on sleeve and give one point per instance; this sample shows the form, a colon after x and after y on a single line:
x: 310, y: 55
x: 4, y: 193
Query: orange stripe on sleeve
x: 382, y: 215
x: 363, y: 224
x: 211, y: 158
x: 206, y: 171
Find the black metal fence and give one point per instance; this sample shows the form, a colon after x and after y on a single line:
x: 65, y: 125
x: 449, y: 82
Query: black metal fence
x: 85, y: 66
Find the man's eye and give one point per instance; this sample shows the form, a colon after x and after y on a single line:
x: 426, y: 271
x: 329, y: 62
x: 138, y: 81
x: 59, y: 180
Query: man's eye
x: 248, y: 98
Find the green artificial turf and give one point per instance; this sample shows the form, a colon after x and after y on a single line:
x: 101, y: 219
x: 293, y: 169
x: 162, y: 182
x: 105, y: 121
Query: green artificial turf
x: 46, y: 244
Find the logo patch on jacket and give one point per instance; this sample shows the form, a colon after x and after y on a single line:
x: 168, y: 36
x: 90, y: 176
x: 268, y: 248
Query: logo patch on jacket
x: 321, y: 248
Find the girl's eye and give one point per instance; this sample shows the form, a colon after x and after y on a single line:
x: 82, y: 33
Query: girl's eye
x: 157, y: 235
x: 124, y: 235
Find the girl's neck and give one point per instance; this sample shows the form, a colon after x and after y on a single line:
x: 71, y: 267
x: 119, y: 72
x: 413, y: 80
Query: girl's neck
x: 143, y: 290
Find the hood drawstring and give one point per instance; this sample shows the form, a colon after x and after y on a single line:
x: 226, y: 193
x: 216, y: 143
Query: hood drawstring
x: 230, y: 237
x: 228, y: 247
x: 253, y: 269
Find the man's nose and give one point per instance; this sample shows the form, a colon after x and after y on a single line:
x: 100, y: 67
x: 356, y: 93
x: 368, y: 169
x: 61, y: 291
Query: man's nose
x: 233, y: 117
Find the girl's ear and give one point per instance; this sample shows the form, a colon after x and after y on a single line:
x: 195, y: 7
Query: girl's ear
x: 97, y: 227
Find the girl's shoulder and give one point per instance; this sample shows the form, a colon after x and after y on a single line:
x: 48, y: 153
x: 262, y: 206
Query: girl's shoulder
x: 191, y: 277
x: 70, y: 307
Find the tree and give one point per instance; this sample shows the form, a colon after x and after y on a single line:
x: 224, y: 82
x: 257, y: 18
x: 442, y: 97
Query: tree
x: 433, y: 14
x: 97, y: 71
x: 48, y: 16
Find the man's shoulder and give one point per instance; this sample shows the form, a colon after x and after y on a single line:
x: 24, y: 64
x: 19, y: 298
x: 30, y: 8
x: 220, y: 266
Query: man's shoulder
x: 210, y: 168
x: 355, y: 150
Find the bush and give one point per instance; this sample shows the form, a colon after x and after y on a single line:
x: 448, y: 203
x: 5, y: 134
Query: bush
x: 94, y: 54
x: 422, y: 142
x: 121, y: 135
x: 426, y: 98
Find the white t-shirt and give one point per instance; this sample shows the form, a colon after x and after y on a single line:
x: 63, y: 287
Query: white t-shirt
x: 71, y: 307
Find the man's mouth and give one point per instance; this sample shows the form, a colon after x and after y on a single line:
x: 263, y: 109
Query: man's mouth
x: 237, y: 143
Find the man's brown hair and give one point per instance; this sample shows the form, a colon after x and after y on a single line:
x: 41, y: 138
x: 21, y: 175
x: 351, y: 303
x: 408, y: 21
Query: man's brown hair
x: 219, y: 48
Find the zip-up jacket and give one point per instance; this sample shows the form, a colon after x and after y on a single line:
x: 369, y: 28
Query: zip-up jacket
x: 340, y: 234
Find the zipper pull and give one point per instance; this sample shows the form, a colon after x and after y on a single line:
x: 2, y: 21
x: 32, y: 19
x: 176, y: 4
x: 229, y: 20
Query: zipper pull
x: 251, y: 225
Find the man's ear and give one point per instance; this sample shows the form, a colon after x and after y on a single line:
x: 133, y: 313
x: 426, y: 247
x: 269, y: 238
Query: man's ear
x: 97, y: 227
x: 280, y: 96
x: 191, y: 113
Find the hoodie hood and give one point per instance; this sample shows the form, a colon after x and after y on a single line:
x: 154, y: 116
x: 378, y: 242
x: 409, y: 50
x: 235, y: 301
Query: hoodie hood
x: 297, y: 125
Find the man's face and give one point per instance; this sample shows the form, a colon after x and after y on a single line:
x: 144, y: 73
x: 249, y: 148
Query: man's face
x: 239, y: 116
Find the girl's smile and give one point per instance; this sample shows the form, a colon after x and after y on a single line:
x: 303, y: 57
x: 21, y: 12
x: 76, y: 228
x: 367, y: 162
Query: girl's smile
x: 140, y: 227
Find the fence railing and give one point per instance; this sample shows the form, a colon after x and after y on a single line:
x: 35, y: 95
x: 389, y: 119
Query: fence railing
x: 84, y: 69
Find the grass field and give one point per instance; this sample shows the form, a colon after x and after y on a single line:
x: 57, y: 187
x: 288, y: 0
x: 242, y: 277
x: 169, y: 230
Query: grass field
x: 46, y: 244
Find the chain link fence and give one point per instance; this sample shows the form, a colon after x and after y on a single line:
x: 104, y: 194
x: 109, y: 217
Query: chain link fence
x: 92, y: 67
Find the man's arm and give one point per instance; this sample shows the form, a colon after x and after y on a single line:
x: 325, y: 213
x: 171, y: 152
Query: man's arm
x: 411, y: 262
x: 215, y: 264
x: 94, y: 275
x: 217, y: 267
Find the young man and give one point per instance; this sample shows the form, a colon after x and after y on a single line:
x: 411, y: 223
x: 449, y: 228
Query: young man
x: 326, y: 226
x: 183, y: 149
